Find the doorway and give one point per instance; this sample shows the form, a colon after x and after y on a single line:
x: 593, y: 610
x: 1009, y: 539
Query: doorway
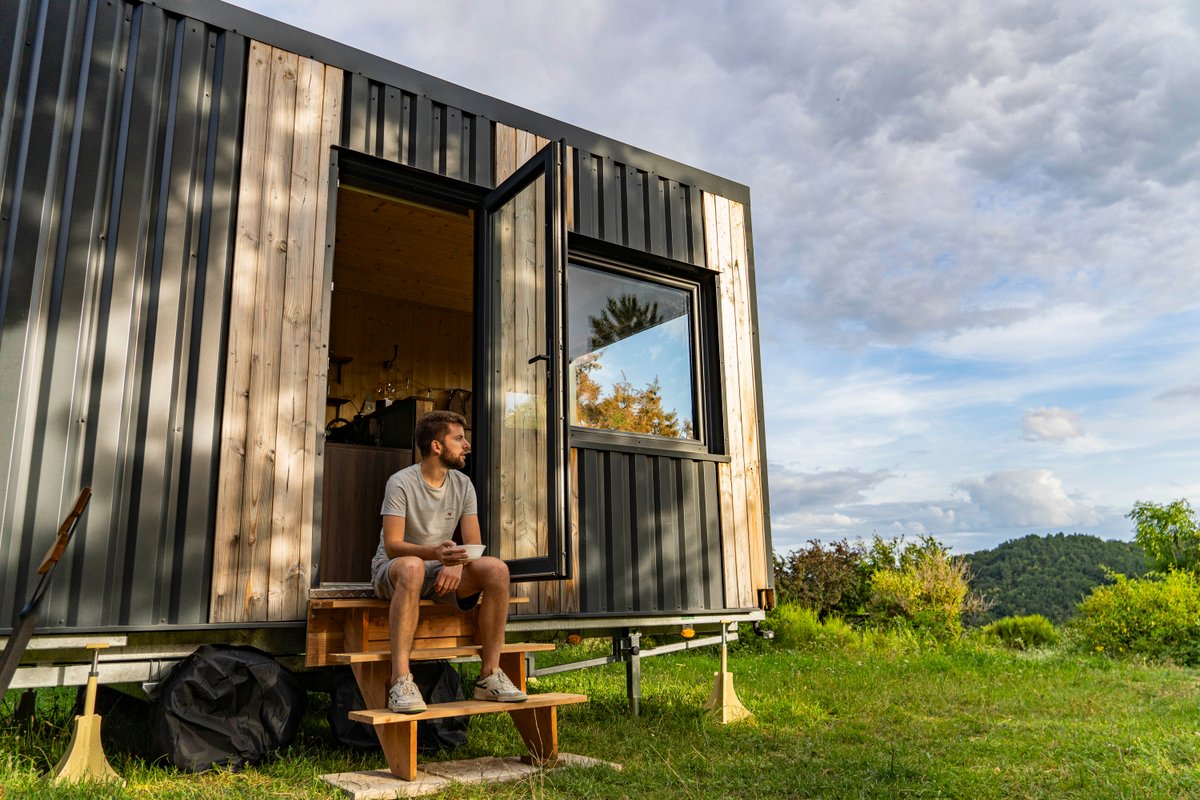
x: 446, y: 295
x: 401, y: 332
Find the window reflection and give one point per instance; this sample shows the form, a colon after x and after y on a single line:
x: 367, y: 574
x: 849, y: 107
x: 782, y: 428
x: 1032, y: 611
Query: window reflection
x: 631, y: 354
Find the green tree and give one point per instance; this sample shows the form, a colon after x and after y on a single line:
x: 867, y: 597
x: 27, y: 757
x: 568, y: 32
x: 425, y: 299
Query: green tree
x: 1169, y: 534
x: 626, y: 408
x: 621, y: 318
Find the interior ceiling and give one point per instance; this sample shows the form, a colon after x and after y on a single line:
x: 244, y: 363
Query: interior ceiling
x: 397, y: 248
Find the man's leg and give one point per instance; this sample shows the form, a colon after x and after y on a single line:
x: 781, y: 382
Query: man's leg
x: 407, y: 574
x: 490, y: 576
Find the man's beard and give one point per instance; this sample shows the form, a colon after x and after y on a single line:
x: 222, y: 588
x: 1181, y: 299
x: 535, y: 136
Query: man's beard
x: 452, y: 463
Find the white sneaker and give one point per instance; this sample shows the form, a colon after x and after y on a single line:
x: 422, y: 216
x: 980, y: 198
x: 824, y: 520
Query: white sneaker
x: 498, y: 687
x: 405, y: 698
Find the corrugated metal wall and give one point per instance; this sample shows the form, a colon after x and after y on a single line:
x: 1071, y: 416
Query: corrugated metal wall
x: 119, y: 143
x: 649, y: 533
x: 612, y: 201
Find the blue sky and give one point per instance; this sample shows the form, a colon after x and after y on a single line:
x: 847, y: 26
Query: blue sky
x: 976, y: 230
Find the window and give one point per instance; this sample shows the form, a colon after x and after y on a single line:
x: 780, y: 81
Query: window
x: 632, y: 353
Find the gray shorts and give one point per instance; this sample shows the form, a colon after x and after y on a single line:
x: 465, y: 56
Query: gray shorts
x: 381, y: 581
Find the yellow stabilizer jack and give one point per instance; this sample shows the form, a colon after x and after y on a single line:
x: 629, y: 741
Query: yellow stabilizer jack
x: 723, y: 700
x: 84, y: 759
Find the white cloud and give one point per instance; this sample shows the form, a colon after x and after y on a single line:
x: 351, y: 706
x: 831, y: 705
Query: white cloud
x: 1053, y: 423
x: 1187, y: 393
x: 1058, y: 332
x: 792, y: 490
x: 1027, y: 497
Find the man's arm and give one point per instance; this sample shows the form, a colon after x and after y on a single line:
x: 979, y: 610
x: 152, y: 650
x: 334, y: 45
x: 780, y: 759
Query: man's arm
x: 468, y: 525
x: 393, y: 543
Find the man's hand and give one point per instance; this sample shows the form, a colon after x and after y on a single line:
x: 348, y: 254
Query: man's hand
x: 450, y: 554
x: 448, y: 579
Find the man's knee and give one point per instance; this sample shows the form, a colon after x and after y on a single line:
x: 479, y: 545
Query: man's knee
x: 493, y: 570
x: 406, y: 572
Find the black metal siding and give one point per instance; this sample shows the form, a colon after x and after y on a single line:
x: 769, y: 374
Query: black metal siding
x: 119, y: 143
x: 649, y: 534
x: 615, y: 202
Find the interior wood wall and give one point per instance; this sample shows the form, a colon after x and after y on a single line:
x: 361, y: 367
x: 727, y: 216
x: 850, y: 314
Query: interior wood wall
x: 276, y: 380
x: 432, y: 346
x: 739, y: 481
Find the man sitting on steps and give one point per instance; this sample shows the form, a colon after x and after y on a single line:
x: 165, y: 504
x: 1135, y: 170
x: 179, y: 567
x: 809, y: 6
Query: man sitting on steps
x: 417, y: 558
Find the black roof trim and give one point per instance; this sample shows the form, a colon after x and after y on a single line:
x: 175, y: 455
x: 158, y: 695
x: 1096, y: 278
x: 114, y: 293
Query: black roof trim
x: 256, y: 26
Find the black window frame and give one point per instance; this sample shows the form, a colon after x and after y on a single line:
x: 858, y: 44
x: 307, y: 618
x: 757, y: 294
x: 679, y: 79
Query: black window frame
x: 708, y: 392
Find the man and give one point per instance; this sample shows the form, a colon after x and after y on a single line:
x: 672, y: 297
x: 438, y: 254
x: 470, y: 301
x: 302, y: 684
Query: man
x: 417, y: 558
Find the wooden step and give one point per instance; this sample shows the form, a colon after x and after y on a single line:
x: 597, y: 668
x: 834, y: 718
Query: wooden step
x: 461, y: 708
x: 437, y: 653
x: 329, y: 603
x: 536, y: 720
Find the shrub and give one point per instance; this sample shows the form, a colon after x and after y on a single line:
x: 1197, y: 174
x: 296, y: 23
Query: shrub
x: 826, y: 578
x: 929, y: 591
x: 1157, y: 617
x: 1023, y: 633
x: 800, y: 628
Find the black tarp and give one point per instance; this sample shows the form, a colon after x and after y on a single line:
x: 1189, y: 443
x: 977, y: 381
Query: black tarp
x: 438, y: 681
x: 226, y: 706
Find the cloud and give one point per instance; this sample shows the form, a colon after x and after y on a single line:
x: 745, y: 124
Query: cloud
x: 1186, y: 393
x: 1053, y: 424
x: 1027, y: 497
x: 1057, y: 332
x: 792, y: 491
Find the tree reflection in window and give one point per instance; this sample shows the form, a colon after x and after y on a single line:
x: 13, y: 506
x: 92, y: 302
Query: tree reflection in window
x: 631, y: 354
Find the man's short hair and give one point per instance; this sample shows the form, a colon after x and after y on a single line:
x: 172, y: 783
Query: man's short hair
x: 434, y: 426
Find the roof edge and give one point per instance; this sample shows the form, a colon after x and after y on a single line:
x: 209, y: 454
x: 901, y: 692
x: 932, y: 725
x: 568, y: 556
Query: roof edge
x: 280, y: 34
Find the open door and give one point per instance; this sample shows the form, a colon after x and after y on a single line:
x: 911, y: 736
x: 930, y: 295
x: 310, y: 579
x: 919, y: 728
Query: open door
x: 523, y: 485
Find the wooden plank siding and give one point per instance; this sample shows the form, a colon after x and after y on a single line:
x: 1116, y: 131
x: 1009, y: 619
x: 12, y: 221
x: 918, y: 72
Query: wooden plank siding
x: 276, y: 356
x: 740, y: 481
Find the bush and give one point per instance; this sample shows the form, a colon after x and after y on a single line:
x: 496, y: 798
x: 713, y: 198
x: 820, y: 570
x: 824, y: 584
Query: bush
x: 826, y: 578
x: 1023, y: 633
x: 1157, y: 617
x: 800, y: 628
x: 929, y: 591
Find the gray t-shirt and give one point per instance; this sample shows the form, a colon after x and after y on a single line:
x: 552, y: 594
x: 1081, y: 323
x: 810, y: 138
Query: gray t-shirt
x: 430, y: 515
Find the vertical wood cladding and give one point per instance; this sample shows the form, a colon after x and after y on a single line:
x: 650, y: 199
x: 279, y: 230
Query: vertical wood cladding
x: 740, y: 480
x: 119, y: 147
x: 276, y: 356
x: 649, y: 533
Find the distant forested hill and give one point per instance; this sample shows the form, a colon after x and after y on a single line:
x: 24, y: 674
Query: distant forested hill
x: 1048, y: 575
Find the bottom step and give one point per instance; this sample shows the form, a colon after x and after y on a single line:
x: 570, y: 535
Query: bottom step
x: 437, y: 777
x: 462, y: 708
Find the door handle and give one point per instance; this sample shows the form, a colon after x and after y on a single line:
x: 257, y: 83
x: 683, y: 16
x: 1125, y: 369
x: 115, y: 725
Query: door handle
x: 540, y: 357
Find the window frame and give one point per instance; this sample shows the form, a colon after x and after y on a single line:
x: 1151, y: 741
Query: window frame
x: 707, y: 392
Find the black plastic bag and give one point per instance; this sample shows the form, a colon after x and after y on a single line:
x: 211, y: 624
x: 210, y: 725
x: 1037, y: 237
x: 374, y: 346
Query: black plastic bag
x: 226, y: 706
x: 439, y: 683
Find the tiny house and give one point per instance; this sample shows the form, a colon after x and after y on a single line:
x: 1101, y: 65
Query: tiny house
x: 239, y: 260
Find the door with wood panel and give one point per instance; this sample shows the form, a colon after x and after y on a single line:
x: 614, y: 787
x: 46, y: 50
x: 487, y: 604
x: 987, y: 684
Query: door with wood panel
x: 524, y: 246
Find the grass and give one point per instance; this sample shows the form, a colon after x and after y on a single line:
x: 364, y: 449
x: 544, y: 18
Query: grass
x: 871, y: 720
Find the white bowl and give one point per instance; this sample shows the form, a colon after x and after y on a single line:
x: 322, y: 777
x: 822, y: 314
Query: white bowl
x: 474, y: 551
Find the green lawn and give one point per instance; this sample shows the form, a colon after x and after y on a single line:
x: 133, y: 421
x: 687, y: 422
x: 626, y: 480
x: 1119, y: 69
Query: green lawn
x: 960, y: 722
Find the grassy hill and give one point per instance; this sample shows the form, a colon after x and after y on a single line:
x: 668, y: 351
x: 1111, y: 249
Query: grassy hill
x: 1048, y: 575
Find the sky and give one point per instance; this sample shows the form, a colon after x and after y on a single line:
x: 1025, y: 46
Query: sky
x: 976, y: 228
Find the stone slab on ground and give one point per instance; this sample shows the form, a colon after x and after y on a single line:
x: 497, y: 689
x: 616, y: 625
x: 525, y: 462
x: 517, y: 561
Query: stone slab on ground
x: 437, y: 776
